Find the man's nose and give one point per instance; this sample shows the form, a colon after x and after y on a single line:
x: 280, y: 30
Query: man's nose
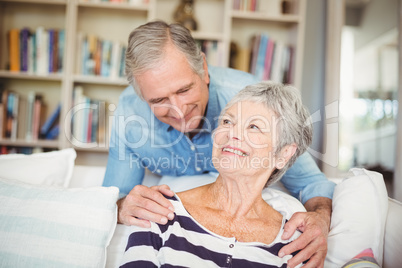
x: 178, y: 109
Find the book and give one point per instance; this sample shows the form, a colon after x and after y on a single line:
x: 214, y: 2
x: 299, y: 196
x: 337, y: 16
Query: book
x: 243, y: 60
x: 60, y: 54
x: 42, y: 51
x: 14, y: 49
x: 3, y: 112
x: 53, y: 133
x: 29, y: 116
x: 51, y: 121
x: 14, y: 117
x: 37, y: 114
x: 268, y: 59
x: 24, y: 56
x: 55, y: 52
x: 260, y: 62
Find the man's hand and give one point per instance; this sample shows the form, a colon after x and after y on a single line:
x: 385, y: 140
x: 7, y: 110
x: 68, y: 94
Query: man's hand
x: 314, y: 226
x: 144, y: 204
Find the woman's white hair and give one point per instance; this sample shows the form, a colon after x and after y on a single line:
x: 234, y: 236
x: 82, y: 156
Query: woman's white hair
x: 146, y: 49
x: 294, y: 122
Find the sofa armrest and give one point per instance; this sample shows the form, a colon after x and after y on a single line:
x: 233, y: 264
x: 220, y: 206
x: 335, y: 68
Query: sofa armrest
x: 393, y: 235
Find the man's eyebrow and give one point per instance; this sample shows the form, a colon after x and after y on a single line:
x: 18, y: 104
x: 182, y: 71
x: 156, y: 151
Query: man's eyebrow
x: 156, y: 100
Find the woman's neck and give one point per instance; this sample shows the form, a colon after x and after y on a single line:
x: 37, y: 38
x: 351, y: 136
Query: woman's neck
x: 238, y: 197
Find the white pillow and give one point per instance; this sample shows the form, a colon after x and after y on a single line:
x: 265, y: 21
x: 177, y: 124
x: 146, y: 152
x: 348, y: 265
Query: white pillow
x: 45, y: 226
x: 52, y: 168
x: 360, y: 206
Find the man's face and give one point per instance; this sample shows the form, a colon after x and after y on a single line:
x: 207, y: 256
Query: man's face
x: 176, y: 95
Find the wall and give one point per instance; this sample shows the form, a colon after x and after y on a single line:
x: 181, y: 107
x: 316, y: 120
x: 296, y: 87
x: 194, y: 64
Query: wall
x: 313, y: 75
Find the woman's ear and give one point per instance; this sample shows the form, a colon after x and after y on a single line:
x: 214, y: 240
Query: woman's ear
x: 286, y: 153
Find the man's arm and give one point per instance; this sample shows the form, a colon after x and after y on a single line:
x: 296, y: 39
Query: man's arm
x: 138, y: 204
x: 305, y: 181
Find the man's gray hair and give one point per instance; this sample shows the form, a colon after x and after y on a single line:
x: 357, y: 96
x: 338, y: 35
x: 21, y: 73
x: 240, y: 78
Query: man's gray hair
x: 294, y: 122
x: 147, y: 44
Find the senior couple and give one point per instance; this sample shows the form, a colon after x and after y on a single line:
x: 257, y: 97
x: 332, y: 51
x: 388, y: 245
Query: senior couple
x: 179, y: 106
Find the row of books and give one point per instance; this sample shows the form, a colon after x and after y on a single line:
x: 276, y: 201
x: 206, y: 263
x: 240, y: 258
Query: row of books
x: 88, y: 123
x: 40, y: 51
x: 96, y: 56
x: 213, y: 51
x: 266, y: 59
x: 25, y: 118
x: 246, y: 5
x: 19, y: 150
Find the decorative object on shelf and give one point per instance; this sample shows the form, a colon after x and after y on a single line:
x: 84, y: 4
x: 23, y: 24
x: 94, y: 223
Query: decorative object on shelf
x: 287, y: 6
x: 184, y: 14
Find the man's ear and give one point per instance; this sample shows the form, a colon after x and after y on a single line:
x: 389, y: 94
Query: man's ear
x: 286, y: 153
x: 205, y: 66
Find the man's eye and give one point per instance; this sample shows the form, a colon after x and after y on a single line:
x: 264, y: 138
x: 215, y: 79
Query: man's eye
x: 183, y: 91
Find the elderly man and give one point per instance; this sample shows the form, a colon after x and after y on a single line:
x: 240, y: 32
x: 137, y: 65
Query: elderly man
x: 164, y: 122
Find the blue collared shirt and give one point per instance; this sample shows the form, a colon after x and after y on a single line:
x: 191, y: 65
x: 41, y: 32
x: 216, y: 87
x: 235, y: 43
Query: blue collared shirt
x: 139, y: 140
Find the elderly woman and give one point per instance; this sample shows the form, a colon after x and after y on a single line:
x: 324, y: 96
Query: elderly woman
x: 262, y: 131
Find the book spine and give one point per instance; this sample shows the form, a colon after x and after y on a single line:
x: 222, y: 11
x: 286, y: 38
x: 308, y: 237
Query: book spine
x: 14, y: 118
x: 61, y: 42
x: 55, y: 52
x: 36, y: 117
x: 30, y: 112
x: 14, y: 48
x: 50, y: 50
x: 24, y: 49
x: 51, y: 121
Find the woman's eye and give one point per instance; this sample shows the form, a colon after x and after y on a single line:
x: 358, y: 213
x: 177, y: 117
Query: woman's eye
x: 252, y: 126
x: 226, y: 121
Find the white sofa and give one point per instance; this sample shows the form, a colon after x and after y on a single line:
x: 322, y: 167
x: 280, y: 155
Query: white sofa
x: 84, y: 176
x: 55, y: 214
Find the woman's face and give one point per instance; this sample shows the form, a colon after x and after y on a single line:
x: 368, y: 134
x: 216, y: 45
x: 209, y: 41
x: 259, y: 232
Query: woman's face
x: 245, y: 139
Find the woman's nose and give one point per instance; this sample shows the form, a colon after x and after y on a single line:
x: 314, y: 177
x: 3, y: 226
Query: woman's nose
x: 236, y: 132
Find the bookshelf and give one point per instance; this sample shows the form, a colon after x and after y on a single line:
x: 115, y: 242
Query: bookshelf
x: 217, y: 20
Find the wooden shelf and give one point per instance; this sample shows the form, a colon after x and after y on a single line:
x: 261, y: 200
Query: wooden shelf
x: 24, y: 143
x: 87, y: 79
x: 90, y: 148
x: 50, y: 2
x: 111, y: 5
x: 207, y: 36
x: 250, y: 15
x: 31, y: 76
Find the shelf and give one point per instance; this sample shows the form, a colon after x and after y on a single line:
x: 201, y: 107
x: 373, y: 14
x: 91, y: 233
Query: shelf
x: 250, y: 15
x: 120, y: 6
x: 207, y: 36
x: 24, y: 143
x: 100, y: 80
x: 31, y: 76
x: 92, y: 149
x: 50, y: 2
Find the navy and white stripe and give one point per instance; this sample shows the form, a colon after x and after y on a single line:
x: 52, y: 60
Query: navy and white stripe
x: 183, y: 242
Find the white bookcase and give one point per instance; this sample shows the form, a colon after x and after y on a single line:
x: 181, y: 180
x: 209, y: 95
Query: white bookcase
x: 216, y: 19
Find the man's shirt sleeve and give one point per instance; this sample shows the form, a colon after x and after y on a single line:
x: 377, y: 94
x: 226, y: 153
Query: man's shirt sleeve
x: 304, y: 180
x: 123, y: 168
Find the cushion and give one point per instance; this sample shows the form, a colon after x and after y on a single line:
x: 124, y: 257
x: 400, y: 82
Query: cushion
x: 360, y: 206
x: 364, y: 259
x: 52, y: 168
x: 46, y: 226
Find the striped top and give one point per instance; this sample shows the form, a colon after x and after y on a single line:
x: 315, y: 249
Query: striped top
x: 183, y: 242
